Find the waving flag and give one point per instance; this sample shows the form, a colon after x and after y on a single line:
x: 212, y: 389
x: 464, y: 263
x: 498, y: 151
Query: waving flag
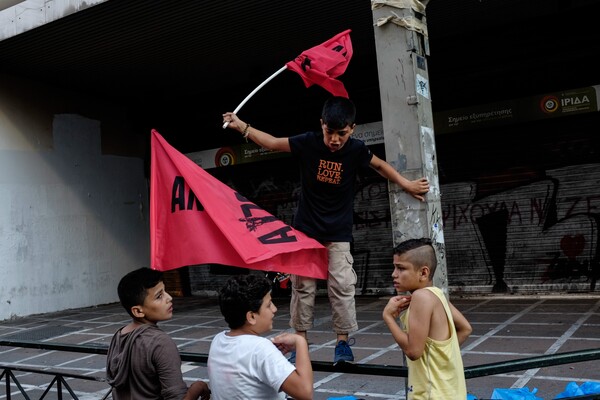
x: 197, y: 219
x: 323, y: 63
x: 318, y: 65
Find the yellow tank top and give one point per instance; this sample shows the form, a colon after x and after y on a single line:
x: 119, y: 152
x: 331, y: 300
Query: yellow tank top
x: 438, y: 373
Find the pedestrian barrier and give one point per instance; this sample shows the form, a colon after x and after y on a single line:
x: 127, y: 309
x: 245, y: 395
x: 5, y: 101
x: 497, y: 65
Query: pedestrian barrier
x: 362, y: 369
x: 59, y: 380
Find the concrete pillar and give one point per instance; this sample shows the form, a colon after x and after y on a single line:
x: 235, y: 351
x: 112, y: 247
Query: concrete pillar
x: 401, y: 44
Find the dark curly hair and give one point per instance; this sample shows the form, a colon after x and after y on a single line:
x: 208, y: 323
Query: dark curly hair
x: 242, y: 293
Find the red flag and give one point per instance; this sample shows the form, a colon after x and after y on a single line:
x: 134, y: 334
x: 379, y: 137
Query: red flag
x: 325, y: 62
x: 197, y: 219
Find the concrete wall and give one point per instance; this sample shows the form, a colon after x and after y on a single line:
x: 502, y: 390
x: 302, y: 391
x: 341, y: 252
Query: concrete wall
x: 72, y: 220
x: 18, y: 16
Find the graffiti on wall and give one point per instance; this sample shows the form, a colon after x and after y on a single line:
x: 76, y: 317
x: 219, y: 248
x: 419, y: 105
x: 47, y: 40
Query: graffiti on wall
x: 541, y: 233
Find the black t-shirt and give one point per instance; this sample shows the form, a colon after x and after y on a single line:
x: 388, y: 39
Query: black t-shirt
x: 326, y: 205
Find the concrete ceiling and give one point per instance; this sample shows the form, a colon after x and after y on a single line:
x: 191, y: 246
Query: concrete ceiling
x: 133, y: 47
x: 196, y: 59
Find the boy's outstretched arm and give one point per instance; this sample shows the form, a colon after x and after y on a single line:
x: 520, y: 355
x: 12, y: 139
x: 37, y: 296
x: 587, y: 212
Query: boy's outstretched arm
x: 263, y: 139
x: 416, y: 188
x: 463, y: 327
x: 299, y: 384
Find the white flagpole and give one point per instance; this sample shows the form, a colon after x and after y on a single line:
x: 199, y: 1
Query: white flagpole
x: 254, y: 91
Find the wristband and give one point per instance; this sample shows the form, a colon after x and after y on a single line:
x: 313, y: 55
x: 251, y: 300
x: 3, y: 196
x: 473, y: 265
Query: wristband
x: 245, y: 132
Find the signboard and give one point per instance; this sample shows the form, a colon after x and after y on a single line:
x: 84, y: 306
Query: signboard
x: 371, y: 133
x: 233, y: 155
x: 552, y: 105
x: 559, y: 104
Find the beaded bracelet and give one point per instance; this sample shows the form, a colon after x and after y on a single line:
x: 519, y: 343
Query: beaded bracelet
x: 245, y: 133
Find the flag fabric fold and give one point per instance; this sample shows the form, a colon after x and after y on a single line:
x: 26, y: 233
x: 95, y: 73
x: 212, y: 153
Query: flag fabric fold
x: 197, y: 219
x: 323, y: 63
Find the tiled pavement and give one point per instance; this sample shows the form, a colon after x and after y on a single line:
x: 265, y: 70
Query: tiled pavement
x: 504, y: 328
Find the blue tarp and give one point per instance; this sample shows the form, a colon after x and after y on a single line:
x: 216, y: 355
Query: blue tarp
x: 573, y: 389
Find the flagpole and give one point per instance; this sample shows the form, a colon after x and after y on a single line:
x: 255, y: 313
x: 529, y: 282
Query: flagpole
x: 254, y: 91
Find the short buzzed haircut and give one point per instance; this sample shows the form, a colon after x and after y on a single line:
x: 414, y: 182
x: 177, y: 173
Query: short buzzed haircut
x: 134, y: 286
x: 338, y: 112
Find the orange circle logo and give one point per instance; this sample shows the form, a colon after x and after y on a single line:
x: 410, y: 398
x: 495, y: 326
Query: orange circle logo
x: 224, y: 157
x: 549, y: 104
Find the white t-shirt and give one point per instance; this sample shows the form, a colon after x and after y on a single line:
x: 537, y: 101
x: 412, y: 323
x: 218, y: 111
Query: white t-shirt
x: 246, y: 367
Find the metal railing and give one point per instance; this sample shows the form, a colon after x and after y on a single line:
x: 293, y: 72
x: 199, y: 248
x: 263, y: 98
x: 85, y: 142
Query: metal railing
x: 321, y: 366
x: 59, y: 380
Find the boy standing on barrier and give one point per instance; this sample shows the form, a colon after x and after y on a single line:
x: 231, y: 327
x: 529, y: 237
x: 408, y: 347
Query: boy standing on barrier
x: 143, y: 362
x: 432, y: 328
x: 242, y: 364
x: 329, y: 161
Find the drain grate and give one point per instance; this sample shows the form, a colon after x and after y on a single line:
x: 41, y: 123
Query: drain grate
x: 40, y: 333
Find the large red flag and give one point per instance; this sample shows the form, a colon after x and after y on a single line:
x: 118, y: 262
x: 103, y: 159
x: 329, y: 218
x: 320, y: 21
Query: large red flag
x: 197, y: 219
x: 323, y: 63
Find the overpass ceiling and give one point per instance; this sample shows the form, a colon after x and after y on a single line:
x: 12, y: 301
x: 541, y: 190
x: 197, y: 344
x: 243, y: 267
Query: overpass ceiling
x: 218, y: 51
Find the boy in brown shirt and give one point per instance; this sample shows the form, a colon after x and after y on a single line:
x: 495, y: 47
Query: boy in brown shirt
x: 143, y: 362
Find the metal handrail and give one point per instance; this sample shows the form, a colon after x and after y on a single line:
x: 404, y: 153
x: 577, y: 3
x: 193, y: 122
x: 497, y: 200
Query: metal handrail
x: 363, y: 369
x: 366, y: 369
x: 59, y: 379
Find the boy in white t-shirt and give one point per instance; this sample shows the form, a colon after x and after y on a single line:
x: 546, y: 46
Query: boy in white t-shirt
x: 242, y: 364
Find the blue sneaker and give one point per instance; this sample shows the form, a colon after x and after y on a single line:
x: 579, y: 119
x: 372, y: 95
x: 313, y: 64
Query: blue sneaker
x: 292, y: 358
x: 343, y: 352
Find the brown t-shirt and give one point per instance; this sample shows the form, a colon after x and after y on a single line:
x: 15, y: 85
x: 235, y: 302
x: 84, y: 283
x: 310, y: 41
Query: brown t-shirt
x: 144, y: 364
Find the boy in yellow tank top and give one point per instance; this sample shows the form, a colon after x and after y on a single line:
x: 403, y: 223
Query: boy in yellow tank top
x: 432, y: 328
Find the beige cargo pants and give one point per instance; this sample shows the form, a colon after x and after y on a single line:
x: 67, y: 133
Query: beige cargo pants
x: 341, y: 284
